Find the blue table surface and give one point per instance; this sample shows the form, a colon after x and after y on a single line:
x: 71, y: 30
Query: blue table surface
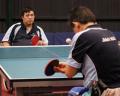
x: 35, y: 51
x: 24, y: 63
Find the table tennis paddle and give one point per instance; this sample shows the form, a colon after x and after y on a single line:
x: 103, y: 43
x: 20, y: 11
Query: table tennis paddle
x: 35, y: 40
x: 49, y: 69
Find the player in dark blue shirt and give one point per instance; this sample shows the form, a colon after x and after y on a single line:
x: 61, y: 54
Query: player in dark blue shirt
x: 96, y: 45
x: 21, y: 34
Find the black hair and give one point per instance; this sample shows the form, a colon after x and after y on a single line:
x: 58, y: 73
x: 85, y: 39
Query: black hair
x: 25, y: 10
x: 82, y: 14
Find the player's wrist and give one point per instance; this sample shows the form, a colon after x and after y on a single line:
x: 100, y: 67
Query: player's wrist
x: 41, y: 43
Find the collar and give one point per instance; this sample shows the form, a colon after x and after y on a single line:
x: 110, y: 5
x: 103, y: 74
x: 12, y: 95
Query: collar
x: 24, y: 27
x: 94, y: 26
x: 33, y: 30
x: 91, y: 27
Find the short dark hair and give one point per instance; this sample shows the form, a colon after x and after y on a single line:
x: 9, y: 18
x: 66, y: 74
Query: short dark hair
x: 25, y: 10
x: 82, y: 14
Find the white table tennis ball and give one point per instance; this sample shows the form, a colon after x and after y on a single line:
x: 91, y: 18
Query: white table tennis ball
x: 68, y: 40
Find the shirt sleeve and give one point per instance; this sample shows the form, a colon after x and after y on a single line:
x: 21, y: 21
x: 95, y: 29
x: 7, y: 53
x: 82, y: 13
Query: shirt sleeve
x: 82, y: 46
x: 7, y: 34
x: 70, y: 61
x: 43, y: 36
x: 81, y: 43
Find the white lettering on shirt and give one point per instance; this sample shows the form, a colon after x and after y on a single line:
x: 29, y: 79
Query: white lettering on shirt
x: 108, y: 39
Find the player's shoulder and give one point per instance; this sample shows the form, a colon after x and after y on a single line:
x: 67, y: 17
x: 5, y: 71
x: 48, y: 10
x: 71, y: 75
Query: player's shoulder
x: 15, y: 24
x: 40, y: 28
x: 95, y: 31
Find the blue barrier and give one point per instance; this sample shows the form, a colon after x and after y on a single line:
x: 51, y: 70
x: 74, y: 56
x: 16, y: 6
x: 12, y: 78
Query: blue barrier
x: 117, y: 34
x: 59, y: 38
x: 1, y: 36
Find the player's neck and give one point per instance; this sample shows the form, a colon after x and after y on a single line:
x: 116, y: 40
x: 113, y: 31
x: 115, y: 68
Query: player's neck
x: 85, y: 26
x: 28, y: 28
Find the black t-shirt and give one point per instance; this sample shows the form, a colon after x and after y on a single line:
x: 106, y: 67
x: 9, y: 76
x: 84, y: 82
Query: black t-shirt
x: 102, y: 47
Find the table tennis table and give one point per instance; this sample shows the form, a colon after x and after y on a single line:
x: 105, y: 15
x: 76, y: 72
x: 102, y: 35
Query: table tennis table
x: 22, y: 71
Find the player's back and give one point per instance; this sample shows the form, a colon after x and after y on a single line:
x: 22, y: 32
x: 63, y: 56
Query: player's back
x: 105, y: 54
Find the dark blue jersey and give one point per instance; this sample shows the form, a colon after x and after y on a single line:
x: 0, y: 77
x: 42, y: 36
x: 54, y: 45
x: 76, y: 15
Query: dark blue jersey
x: 18, y: 35
x: 102, y: 47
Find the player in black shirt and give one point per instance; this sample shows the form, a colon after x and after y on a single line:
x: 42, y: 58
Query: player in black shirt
x: 98, y: 44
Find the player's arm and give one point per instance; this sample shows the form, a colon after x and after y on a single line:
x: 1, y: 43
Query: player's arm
x: 44, y: 40
x: 5, y: 43
x: 42, y: 43
x: 70, y: 67
x: 6, y: 39
x: 68, y: 70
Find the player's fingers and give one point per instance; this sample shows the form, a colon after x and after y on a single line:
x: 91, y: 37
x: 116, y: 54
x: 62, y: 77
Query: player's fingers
x: 117, y: 93
x: 61, y: 65
x: 58, y: 69
x: 39, y: 42
x: 109, y: 92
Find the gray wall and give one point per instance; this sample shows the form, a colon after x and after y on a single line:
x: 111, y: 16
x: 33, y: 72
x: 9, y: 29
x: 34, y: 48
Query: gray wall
x: 52, y: 14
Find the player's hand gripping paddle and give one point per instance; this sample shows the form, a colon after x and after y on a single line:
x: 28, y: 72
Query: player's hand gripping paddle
x: 49, y: 70
x: 35, y: 40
